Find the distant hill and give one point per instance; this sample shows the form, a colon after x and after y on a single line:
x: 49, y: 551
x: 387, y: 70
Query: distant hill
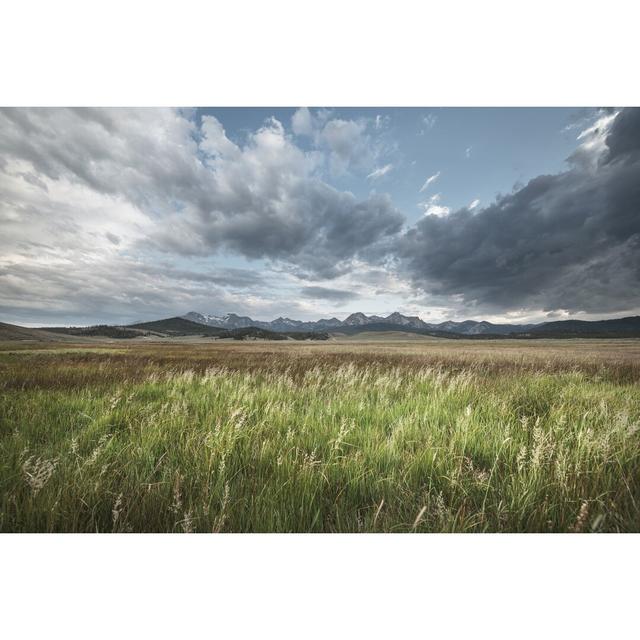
x: 397, y: 335
x: 177, y: 327
x: 619, y: 327
x: 101, y: 331
x: 379, y: 327
x: 255, y: 333
x: 12, y: 332
x: 183, y: 327
x: 252, y: 333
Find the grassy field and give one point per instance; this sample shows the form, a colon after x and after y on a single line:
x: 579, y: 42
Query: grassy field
x: 379, y: 436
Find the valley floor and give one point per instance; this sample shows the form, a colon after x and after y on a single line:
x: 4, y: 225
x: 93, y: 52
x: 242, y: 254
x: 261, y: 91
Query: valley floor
x: 394, y: 435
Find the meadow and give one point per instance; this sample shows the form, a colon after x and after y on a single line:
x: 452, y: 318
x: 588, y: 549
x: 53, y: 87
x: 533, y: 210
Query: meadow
x: 345, y: 436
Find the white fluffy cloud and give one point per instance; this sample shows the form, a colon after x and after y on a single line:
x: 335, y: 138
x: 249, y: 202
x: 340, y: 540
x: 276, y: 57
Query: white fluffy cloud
x: 302, y: 122
x: 432, y: 207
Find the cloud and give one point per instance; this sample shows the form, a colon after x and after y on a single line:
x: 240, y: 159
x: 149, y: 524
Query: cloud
x: 324, y: 293
x: 378, y: 173
x: 348, y: 144
x: 429, y: 181
x: 593, y: 144
x: 214, y: 140
x: 432, y: 208
x: 302, y: 122
x: 89, y: 196
x: 428, y: 122
x: 105, y: 289
x: 195, y: 192
x: 121, y: 291
x: 623, y: 139
x: 474, y: 204
x: 266, y: 202
x: 565, y: 241
x: 144, y: 157
x: 381, y: 122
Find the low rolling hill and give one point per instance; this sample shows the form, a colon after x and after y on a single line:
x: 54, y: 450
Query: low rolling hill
x: 615, y: 328
x: 383, y: 327
x: 397, y: 335
x: 255, y: 333
x: 98, y: 331
x: 12, y: 332
x: 182, y: 327
x: 176, y: 327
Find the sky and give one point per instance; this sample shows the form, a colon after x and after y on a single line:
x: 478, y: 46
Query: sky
x: 504, y: 214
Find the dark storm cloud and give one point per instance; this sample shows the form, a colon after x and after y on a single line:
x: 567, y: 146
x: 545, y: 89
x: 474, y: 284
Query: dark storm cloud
x: 317, y: 229
x: 624, y: 136
x: 566, y: 241
x: 325, y: 293
x: 266, y: 202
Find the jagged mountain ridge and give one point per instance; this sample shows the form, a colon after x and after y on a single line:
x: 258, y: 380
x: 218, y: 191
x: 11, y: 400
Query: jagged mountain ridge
x: 234, y: 321
x: 358, y: 319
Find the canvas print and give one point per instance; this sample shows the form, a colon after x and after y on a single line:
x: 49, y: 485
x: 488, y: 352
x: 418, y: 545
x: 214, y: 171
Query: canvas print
x: 320, y: 319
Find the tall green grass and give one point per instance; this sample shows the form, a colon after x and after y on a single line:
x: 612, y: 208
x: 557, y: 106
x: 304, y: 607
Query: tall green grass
x: 351, y: 448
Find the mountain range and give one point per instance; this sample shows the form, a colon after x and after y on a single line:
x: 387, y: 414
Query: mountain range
x: 396, y: 321
x: 243, y: 327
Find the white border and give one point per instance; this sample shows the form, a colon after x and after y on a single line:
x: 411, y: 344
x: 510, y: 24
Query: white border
x: 310, y: 586
x: 287, y: 52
